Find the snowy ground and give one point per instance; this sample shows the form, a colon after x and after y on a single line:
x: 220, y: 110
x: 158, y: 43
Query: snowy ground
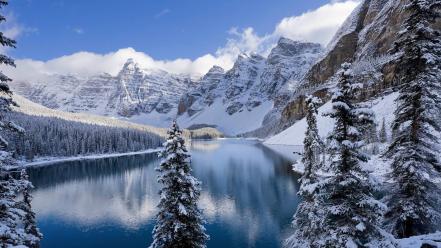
x: 383, y: 107
x: 294, y: 135
x: 43, y: 161
x: 433, y: 239
x: 237, y: 123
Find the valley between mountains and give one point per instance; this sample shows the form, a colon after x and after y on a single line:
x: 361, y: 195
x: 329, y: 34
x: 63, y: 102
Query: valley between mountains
x: 298, y: 145
x: 258, y: 97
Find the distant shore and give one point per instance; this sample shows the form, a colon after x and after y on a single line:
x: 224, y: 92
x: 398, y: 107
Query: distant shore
x: 43, y: 161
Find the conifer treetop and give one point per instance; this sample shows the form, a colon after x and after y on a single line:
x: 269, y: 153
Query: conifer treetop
x: 179, y: 220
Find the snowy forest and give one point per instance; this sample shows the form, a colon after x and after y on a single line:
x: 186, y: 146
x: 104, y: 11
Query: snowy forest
x: 299, y: 146
x: 46, y: 136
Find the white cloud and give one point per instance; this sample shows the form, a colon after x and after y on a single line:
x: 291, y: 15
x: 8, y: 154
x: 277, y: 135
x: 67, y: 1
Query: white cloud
x: 88, y: 64
x: 246, y: 41
x: 316, y: 25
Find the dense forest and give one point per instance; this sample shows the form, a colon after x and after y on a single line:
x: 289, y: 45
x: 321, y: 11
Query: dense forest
x: 48, y: 136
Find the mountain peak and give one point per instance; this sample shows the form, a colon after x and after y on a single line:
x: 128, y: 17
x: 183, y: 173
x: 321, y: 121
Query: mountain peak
x: 283, y: 40
x: 289, y: 49
x: 243, y: 59
x: 296, y: 46
x: 130, y: 65
x: 216, y: 69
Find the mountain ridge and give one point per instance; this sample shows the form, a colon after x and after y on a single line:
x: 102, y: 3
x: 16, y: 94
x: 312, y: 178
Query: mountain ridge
x: 364, y: 40
x: 155, y: 97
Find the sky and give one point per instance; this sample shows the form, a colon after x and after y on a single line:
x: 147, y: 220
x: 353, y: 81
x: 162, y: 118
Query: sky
x: 181, y: 36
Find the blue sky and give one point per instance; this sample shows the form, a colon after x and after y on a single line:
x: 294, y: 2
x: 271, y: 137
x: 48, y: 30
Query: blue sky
x: 165, y: 29
x: 87, y: 37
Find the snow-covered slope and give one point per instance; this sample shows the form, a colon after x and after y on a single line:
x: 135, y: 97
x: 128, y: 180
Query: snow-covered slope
x: 429, y: 240
x: 238, y: 100
x: 383, y: 107
x: 235, y: 101
x: 149, y: 97
x: 295, y: 134
x: 30, y: 108
x: 365, y: 40
x: 240, y: 122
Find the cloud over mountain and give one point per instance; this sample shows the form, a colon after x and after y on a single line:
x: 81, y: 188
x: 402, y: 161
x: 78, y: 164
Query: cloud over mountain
x: 317, y: 25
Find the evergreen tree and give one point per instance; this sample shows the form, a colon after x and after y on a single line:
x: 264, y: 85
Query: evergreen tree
x: 367, y: 127
x: 383, y: 133
x: 350, y: 212
x: 413, y: 202
x: 32, y: 234
x: 11, y: 217
x: 179, y: 221
x: 307, y: 218
x: 48, y: 136
x: 371, y: 134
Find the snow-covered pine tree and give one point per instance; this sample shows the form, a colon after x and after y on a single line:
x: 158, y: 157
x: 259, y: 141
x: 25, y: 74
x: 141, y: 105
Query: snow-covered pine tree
x: 32, y: 235
x: 307, y: 217
x: 11, y: 216
x: 383, y: 133
x: 414, y: 198
x: 350, y: 212
x: 179, y: 222
x: 313, y: 144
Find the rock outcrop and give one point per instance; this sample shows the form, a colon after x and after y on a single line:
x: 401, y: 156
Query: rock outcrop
x: 132, y: 92
x: 364, y: 40
x: 253, y: 88
x: 253, y: 79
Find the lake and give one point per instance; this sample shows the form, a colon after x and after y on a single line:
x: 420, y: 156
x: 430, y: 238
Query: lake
x: 248, y: 197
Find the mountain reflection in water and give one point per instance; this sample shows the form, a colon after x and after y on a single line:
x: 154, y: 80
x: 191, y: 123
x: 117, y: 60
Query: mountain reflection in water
x: 248, y: 197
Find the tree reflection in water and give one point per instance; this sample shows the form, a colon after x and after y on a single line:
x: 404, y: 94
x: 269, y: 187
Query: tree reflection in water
x: 249, y: 197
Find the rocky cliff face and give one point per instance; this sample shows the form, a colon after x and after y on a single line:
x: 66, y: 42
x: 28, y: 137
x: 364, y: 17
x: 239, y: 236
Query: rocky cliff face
x: 141, y: 91
x: 253, y: 79
x: 132, y: 92
x: 261, y: 94
x: 204, y: 94
x: 236, y: 100
x: 364, y: 39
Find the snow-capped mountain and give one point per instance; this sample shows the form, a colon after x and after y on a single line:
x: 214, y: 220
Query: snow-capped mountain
x: 133, y: 93
x: 235, y: 101
x: 365, y: 40
x: 238, y: 100
x: 142, y: 92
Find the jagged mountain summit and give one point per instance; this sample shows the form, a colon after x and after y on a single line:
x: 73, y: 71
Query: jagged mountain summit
x: 142, y: 92
x: 365, y: 40
x: 235, y: 101
x: 144, y: 96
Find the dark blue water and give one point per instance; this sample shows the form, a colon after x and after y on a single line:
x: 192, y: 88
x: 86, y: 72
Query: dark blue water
x: 249, y: 197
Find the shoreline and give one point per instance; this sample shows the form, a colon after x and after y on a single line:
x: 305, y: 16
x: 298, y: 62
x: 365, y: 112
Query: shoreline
x: 44, y: 161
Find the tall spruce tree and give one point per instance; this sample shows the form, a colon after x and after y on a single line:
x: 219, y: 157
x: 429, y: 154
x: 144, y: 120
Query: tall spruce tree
x: 350, y: 212
x: 12, y: 218
x: 179, y: 221
x: 413, y: 201
x: 383, y: 133
x: 32, y: 234
x: 307, y: 218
